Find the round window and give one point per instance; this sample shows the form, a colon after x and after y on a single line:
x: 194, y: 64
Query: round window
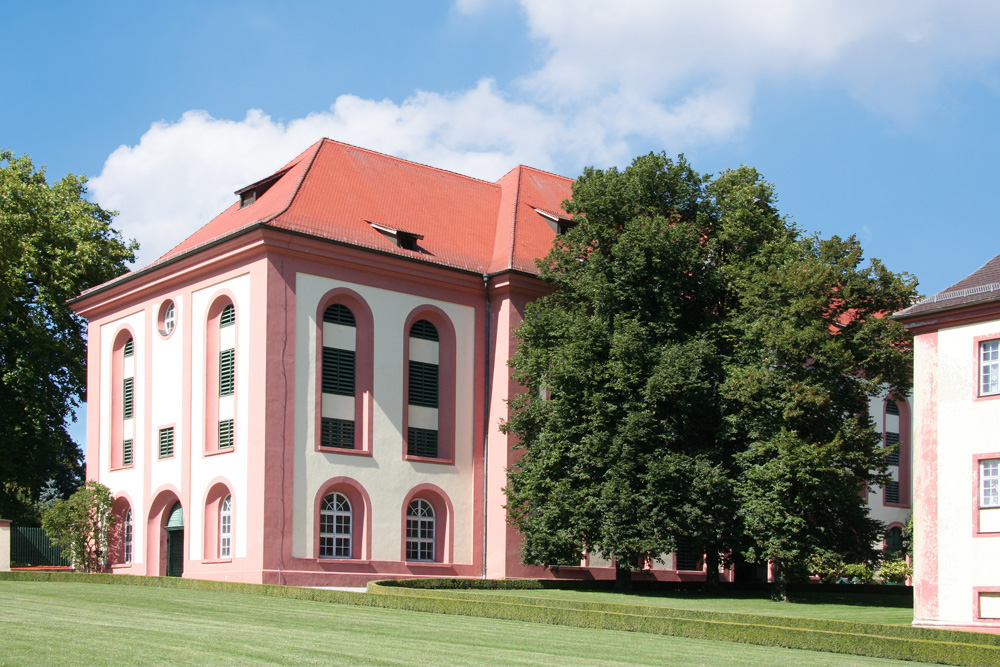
x: 167, y: 318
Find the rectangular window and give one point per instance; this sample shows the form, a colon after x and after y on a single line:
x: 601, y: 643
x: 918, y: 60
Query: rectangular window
x: 989, y: 368
x: 422, y: 442
x: 166, y: 442
x: 338, y: 371
x: 127, y: 398
x: 337, y: 433
x: 227, y: 372
x: 225, y: 433
x: 989, y: 483
x: 127, y: 453
x: 423, y: 384
x: 892, y: 492
x: 890, y: 440
x: 686, y: 558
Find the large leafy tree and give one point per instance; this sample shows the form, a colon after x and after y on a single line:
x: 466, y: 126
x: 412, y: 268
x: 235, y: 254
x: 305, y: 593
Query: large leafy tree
x: 54, y: 243
x: 699, y: 376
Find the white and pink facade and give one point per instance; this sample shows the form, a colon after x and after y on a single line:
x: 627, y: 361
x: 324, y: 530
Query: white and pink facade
x: 957, y: 453
x: 307, y: 390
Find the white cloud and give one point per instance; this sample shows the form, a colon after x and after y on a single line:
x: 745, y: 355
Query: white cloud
x: 670, y: 74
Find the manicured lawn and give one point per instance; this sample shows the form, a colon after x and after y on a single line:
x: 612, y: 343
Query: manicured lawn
x: 867, y: 609
x: 54, y: 623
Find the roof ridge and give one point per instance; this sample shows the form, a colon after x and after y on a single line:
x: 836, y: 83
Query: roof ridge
x: 513, y: 222
x: 298, y: 186
x: 413, y: 162
x: 543, y: 171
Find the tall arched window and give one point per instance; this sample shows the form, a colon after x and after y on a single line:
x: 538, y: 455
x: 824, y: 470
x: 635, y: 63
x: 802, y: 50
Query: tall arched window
x: 127, y: 537
x: 421, y: 531
x: 226, y: 527
x: 423, y: 390
x: 123, y: 400
x: 220, y: 366
x: 896, y: 434
x: 337, y: 425
x: 335, y: 529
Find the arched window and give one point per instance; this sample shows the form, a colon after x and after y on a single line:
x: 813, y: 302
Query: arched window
x: 421, y: 531
x: 894, y: 542
x: 226, y: 527
x: 423, y: 390
x: 123, y: 400
x: 896, y: 434
x: 339, y: 370
x: 335, y: 530
x: 127, y: 537
x: 220, y: 366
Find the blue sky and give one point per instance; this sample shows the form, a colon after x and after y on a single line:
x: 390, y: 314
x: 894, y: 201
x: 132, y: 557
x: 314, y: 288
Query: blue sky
x: 874, y: 119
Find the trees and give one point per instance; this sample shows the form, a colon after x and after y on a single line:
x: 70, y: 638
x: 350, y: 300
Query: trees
x: 82, y: 526
x: 53, y: 245
x: 699, y: 376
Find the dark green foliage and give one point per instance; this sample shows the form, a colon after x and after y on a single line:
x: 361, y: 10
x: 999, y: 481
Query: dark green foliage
x: 700, y: 374
x: 82, y: 526
x: 53, y: 245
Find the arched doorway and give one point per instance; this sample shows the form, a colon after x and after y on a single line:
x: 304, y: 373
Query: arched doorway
x: 175, y: 541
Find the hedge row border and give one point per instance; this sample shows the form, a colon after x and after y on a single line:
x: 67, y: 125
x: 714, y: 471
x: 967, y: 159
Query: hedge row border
x: 935, y: 646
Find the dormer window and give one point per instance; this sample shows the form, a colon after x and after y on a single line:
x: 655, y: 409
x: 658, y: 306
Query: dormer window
x: 254, y: 191
x: 559, y: 222
x: 402, y: 238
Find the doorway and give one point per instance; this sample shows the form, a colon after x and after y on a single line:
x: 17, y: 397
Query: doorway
x: 175, y: 542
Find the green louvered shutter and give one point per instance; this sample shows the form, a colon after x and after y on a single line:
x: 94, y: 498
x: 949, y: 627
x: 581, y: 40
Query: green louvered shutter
x: 228, y: 317
x: 227, y: 372
x: 127, y: 453
x: 423, y: 384
x: 338, y: 371
x: 225, y: 433
x: 127, y: 398
x: 166, y: 442
x: 422, y: 442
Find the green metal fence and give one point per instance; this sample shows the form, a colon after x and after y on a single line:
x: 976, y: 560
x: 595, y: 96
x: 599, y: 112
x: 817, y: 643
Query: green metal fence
x: 31, y: 546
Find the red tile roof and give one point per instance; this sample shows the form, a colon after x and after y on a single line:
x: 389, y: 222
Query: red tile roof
x: 983, y: 285
x: 336, y: 191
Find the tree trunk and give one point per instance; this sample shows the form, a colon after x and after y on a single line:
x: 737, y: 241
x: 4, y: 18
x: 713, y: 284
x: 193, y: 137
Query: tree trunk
x: 712, y: 570
x: 779, y: 588
x: 623, y: 578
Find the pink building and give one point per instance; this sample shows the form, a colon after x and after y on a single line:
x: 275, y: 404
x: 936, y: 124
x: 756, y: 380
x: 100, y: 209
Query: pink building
x: 956, y: 454
x: 307, y: 390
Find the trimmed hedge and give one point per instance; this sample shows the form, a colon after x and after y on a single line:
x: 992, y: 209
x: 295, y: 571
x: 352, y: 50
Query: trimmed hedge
x: 866, y: 639
x: 430, y: 595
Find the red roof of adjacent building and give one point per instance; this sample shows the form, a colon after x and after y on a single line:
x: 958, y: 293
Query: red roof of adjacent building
x: 982, y: 286
x: 346, y: 194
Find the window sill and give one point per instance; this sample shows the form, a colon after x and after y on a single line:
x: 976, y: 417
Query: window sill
x: 986, y: 397
x: 121, y: 566
x: 352, y: 561
x: 904, y: 506
x: 343, y: 450
x: 216, y: 561
x: 427, y: 459
x: 131, y: 467
x: 216, y: 452
x: 428, y: 563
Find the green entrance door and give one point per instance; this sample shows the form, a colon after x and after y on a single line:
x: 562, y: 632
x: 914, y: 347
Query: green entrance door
x: 175, y: 542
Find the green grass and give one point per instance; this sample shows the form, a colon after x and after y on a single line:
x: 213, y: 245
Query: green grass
x: 81, y: 623
x: 862, y: 609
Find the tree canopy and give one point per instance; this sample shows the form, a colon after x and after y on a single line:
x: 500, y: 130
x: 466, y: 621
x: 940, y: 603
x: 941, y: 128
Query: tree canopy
x: 54, y: 244
x: 699, y: 376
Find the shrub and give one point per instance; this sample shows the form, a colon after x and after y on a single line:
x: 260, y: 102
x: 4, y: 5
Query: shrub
x: 895, y: 571
x: 81, y: 526
x: 859, y: 573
